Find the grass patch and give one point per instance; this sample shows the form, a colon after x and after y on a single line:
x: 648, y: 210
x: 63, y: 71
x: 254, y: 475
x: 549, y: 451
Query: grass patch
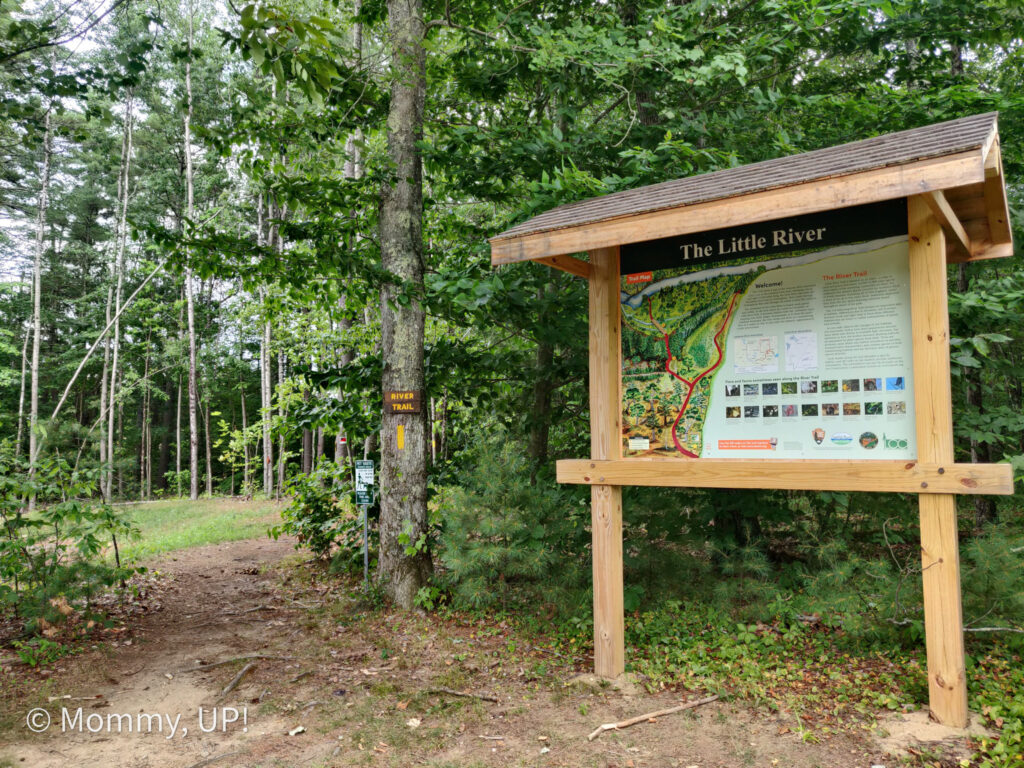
x: 166, y: 526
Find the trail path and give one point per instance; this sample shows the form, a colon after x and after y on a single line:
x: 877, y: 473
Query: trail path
x: 368, y: 687
x: 218, y: 604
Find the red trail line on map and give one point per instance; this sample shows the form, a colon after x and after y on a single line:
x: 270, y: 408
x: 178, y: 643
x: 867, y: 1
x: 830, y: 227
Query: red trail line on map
x: 692, y: 385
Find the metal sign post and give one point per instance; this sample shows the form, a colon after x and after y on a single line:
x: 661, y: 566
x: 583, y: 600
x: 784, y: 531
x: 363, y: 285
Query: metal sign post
x: 364, y: 498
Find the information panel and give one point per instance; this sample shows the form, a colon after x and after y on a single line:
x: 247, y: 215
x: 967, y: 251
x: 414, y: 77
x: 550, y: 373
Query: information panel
x: 788, y: 339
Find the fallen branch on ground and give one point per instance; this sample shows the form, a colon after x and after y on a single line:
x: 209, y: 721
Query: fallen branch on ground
x: 260, y: 608
x: 649, y: 716
x: 994, y: 629
x: 307, y: 606
x: 301, y: 675
x: 236, y: 680
x: 213, y: 759
x: 465, y: 695
x: 204, y: 667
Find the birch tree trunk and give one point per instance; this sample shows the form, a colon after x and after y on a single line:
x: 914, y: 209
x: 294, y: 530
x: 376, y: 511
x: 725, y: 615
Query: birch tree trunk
x: 266, y: 380
x: 280, y: 438
x: 403, y: 475
x: 118, y: 273
x: 177, y: 441
x: 144, y: 432
x: 193, y: 388
x: 206, y: 434
x: 103, y: 401
x: 37, y: 280
x: 245, y: 447
x: 21, y: 393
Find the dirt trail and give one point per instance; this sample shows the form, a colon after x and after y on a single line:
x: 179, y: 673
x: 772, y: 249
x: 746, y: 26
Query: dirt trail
x: 367, y: 686
x: 208, y: 613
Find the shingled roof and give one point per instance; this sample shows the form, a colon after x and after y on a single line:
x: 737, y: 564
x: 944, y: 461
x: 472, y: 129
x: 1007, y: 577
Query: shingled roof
x: 969, y: 139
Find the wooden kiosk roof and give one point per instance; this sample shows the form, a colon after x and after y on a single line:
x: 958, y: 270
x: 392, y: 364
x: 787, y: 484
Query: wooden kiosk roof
x: 956, y: 164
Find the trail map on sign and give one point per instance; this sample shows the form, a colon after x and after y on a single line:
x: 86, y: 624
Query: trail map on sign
x: 756, y: 354
x: 745, y: 347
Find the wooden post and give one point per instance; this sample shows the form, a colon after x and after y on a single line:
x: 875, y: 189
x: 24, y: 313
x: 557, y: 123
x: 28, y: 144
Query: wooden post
x: 940, y: 552
x: 605, y: 443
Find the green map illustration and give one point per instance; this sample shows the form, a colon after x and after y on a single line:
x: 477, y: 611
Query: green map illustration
x: 673, y: 340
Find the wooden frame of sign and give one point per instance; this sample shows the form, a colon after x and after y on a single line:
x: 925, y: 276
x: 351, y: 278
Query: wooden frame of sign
x: 950, y: 175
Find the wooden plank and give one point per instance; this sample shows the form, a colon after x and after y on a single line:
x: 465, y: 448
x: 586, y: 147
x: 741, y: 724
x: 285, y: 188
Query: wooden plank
x: 940, y: 550
x: 605, y: 350
x: 948, y: 219
x: 995, y: 199
x: 985, y: 251
x: 605, y: 431
x: 784, y: 474
x: 569, y: 264
x: 609, y: 620
x: 810, y: 197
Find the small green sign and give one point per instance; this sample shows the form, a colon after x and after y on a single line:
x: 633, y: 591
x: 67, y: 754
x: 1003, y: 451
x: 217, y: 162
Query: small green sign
x: 364, y: 497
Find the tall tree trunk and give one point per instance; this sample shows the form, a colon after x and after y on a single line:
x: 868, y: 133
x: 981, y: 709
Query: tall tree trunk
x: 266, y: 375
x: 193, y: 383
x: 167, y: 421
x: 245, y: 447
x: 37, y: 281
x: 984, y: 506
x: 543, y: 386
x: 103, y: 401
x: 21, y: 392
x: 280, y: 438
x: 209, y: 453
x: 177, y: 442
x: 403, y: 476
x: 540, y: 410
x: 118, y: 274
x: 144, y: 433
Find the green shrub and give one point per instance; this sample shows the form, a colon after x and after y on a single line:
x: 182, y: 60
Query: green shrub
x: 503, y: 538
x: 323, y: 517
x: 54, y: 559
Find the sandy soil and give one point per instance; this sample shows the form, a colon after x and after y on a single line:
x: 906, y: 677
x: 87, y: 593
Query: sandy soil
x: 365, y: 686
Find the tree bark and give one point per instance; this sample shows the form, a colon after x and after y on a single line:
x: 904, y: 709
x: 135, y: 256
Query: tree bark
x: 21, y: 392
x: 984, y: 506
x: 245, y: 446
x: 144, y: 442
x: 266, y: 379
x: 209, y: 452
x: 193, y: 384
x: 37, y: 280
x: 118, y: 274
x: 177, y: 439
x: 403, y: 476
x: 280, y: 438
x: 167, y: 421
x: 103, y: 400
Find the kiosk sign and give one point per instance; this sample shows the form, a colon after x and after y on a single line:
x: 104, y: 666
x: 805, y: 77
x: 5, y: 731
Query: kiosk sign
x: 783, y: 340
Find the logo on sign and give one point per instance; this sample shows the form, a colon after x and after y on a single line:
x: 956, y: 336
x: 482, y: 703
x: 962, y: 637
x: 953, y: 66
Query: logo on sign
x: 869, y: 440
x: 819, y: 435
x: 893, y: 442
x: 842, y: 438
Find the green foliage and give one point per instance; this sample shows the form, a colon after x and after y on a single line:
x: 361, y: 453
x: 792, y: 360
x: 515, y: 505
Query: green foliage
x: 322, y: 516
x: 503, y: 539
x: 38, y: 651
x: 53, y: 558
x: 315, y: 513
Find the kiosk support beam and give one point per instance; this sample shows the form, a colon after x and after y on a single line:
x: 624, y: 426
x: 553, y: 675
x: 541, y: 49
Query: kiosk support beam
x: 940, y: 554
x: 605, y: 443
